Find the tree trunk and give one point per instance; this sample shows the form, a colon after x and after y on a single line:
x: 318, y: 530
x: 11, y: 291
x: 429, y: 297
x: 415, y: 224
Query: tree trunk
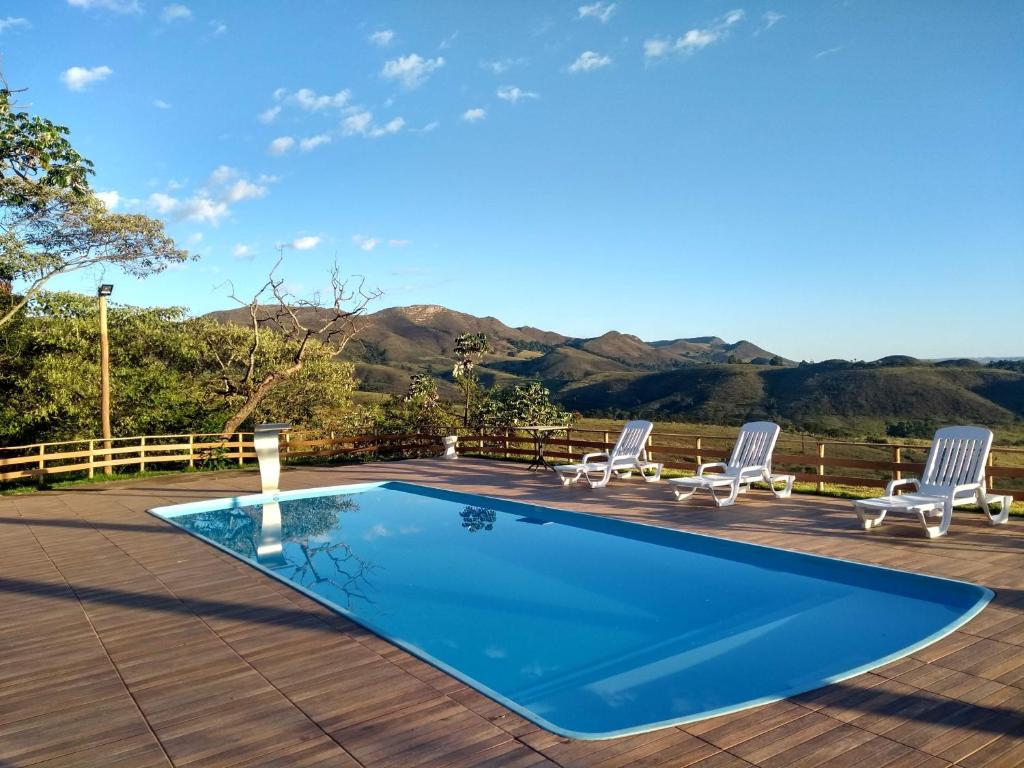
x: 254, y: 398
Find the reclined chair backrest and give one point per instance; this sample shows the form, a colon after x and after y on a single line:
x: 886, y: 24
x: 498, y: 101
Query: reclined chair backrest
x: 754, y: 446
x: 957, y: 457
x: 632, y: 443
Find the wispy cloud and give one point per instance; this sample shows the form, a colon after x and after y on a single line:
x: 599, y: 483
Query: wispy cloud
x: 588, y: 61
x: 365, y: 242
x: 14, y: 22
x: 175, y: 12
x: 117, y: 6
x: 600, y: 11
x: 280, y: 145
x: 217, y: 28
x: 412, y: 70
x: 474, y: 115
x: 269, y: 115
x: 310, y: 143
x: 449, y: 41
x: 311, y: 102
x: 161, y: 104
x: 305, y: 243
x: 514, y: 94
x: 77, y: 78
x: 768, y: 20
x: 382, y: 37
x: 242, y: 251
x: 696, y: 39
x: 399, y: 243
x: 360, y: 123
x: 501, y: 66
x: 829, y: 52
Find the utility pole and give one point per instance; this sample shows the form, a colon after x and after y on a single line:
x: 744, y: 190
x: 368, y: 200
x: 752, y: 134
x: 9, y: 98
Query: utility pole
x: 103, y: 292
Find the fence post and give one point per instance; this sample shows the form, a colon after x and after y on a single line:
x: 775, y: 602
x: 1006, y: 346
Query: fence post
x: 92, y: 459
x: 142, y: 454
x: 897, y: 457
x: 650, y: 446
x: 698, y: 444
x: 821, y: 467
x: 568, y: 443
x: 191, y: 451
x: 239, y: 449
x: 605, y: 446
x: 42, y: 455
x: 507, y: 432
x: 991, y: 463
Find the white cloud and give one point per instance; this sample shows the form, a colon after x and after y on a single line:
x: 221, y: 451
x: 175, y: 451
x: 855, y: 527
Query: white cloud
x: 212, y: 202
x: 399, y: 243
x: 305, y: 243
x: 244, y: 190
x: 357, y: 123
x: 696, y: 39
x: 474, y: 115
x: 312, y: 142
x: 501, y: 66
x: 447, y: 43
x: 829, y: 51
x: 241, y: 251
x: 118, y: 6
x: 77, y: 78
x: 175, y: 12
x: 308, y: 99
x: 514, y: 95
x: 195, y: 238
x: 365, y: 242
x: 109, y: 199
x: 600, y: 11
x: 431, y: 126
x: 768, y: 20
x: 13, y: 22
x: 412, y: 70
x: 588, y: 61
x: 280, y: 145
x: 382, y: 37
x: 217, y: 28
x: 656, y: 47
x: 390, y: 127
x: 269, y: 115
x: 161, y: 104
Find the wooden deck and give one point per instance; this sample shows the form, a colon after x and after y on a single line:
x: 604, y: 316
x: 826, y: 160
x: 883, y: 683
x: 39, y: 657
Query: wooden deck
x: 126, y: 642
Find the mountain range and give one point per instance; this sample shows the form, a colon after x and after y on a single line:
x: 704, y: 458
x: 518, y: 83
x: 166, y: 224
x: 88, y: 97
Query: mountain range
x: 701, y: 379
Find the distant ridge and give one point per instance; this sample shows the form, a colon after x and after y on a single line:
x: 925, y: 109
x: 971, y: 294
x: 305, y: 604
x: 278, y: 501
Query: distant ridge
x: 702, y: 378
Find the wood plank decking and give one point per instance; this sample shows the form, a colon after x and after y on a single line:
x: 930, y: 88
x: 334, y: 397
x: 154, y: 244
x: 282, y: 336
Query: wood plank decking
x: 125, y: 642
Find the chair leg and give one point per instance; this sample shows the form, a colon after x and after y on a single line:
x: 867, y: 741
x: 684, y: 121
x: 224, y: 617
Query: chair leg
x: 728, y: 500
x: 1004, y: 508
x: 681, y: 494
x: 605, y: 477
x: 934, y: 531
x: 786, y: 491
x: 652, y: 478
x: 868, y: 521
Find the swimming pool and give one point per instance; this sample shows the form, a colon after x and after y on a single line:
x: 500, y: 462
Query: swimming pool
x: 588, y: 626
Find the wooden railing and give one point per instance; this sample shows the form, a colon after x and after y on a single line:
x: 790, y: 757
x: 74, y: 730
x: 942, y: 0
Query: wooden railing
x: 859, y: 465
x: 146, y: 452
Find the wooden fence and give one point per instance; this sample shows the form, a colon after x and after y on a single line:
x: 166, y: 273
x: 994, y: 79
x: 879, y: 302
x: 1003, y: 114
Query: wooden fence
x: 821, y: 462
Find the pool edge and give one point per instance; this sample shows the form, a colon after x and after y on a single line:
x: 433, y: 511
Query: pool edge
x: 985, y: 597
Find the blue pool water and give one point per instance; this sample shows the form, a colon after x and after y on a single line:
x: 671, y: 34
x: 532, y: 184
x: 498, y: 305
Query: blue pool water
x: 588, y: 626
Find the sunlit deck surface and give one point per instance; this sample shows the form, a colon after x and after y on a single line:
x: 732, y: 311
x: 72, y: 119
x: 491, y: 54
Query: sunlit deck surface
x: 126, y: 642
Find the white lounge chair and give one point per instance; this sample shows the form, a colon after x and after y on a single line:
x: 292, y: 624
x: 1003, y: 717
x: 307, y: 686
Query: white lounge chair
x: 629, y: 454
x: 751, y: 461
x: 954, y: 475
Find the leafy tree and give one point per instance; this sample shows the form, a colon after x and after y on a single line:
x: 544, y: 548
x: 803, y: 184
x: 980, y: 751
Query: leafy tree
x: 51, y: 223
x: 469, y: 351
x: 418, y: 410
x: 522, y: 404
x: 35, y: 150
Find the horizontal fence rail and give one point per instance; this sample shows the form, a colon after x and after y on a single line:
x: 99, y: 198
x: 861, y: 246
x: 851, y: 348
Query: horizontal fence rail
x: 820, y: 462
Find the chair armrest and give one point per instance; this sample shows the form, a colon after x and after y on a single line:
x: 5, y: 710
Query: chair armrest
x: 702, y: 467
x: 893, y: 484
x: 588, y: 456
x: 757, y: 471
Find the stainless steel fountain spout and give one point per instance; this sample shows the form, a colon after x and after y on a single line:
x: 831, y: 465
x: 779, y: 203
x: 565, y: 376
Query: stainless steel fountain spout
x: 266, y: 441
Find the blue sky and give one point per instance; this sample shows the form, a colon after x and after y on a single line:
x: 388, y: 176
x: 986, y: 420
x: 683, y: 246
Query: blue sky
x: 826, y: 179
